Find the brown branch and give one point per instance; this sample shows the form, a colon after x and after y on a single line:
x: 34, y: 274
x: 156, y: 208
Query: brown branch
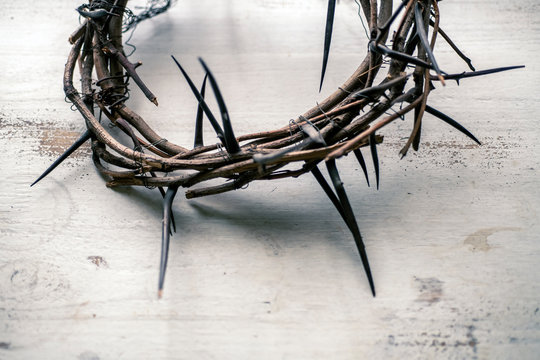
x: 112, y: 51
x: 357, y: 140
x: 78, y: 33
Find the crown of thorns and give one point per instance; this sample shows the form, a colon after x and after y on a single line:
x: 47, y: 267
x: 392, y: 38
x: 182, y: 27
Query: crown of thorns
x: 344, y: 122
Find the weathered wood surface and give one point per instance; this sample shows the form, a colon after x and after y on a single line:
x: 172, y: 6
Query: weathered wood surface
x: 271, y: 272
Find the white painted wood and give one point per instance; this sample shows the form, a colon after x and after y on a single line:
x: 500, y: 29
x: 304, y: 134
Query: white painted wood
x: 271, y: 272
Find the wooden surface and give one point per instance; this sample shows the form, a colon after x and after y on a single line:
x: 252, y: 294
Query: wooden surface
x: 271, y: 272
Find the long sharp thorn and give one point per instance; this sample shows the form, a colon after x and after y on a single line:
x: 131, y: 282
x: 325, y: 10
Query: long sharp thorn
x: 416, y: 140
x: 329, y: 192
x: 375, y: 156
x: 162, y: 192
x: 421, y: 31
x: 447, y: 119
x: 199, y: 119
x: 350, y: 219
x: 384, y: 29
x: 202, y: 103
x: 469, y: 74
x: 412, y: 43
x: 374, y: 92
x: 382, y: 49
x: 84, y: 138
x: 327, y: 37
x: 165, y: 237
x: 362, y: 163
x: 230, y: 140
x: 332, y: 196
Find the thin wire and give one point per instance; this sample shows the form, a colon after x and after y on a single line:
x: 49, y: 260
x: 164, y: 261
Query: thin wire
x: 291, y: 123
x: 127, y: 42
x: 130, y: 19
x: 224, y: 153
x: 153, y: 8
x: 361, y: 19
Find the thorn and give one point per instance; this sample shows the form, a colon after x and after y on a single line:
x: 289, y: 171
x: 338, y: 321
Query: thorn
x: 416, y: 140
x: 264, y: 159
x: 412, y: 43
x: 198, y: 142
x: 350, y: 219
x: 362, y: 163
x: 374, y: 92
x: 230, y: 140
x: 165, y: 237
x: 162, y: 192
x: 384, y: 29
x: 327, y: 37
x: 84, y: 137
x: 374, y: 155
x: 202, y: 103
x: 328, y: 190
x: 421, y: 31
x: 469, y: 74
x: 447, y: 119
x: 383, y: 49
